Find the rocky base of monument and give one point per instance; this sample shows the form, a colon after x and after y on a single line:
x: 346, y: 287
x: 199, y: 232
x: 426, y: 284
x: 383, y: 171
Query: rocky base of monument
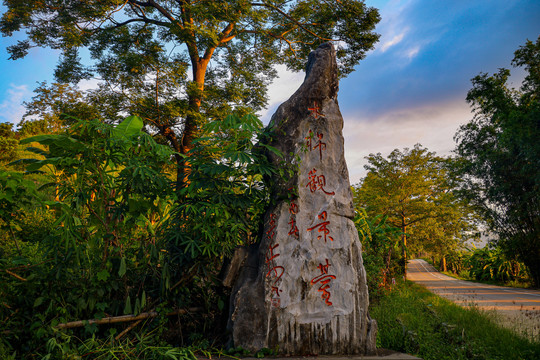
x: 380, y: 354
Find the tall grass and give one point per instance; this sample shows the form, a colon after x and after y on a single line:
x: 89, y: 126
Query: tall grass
x: 415, y: 321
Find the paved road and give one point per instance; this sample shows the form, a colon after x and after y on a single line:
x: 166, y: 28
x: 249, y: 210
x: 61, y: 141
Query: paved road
x: 517, y: 308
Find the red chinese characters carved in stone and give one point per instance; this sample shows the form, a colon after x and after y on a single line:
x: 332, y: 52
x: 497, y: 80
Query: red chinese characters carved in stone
x: 318, y: 145
x: 275, y: 272
x: 270, y: 253
x: 324, y: 279
x: 315, y: 110
x: 322, y: 227
x: 317, y: 182
x: 293, y: 210
x: 271, y: 233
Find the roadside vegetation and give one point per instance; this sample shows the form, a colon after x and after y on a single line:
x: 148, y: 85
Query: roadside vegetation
x: 415, y: 321
x: 490, y: 265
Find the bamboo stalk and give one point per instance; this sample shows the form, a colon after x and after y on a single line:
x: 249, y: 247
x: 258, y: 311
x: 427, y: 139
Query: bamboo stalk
x: 123, y: 318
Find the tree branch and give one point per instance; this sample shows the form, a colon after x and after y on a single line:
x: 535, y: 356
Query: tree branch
x: 290, y: 18
x: 187, y: 21
x: 15, y: 275
x: 162, y: 10
x: 225, y: 37
x: 123, y: 318
x: 143, y: 19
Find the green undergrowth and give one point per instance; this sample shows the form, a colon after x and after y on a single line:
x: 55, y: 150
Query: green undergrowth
x: 415, y: 321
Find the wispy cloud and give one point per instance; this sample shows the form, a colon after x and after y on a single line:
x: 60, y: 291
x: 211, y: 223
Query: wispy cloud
x: 11, y: 109
x: 412, y: 52
x: 393, y: 41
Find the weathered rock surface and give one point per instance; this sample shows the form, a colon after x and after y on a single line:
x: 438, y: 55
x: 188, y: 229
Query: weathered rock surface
x: 303, y: 287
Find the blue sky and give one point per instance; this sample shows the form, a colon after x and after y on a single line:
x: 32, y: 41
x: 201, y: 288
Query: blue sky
x: 410, y: 89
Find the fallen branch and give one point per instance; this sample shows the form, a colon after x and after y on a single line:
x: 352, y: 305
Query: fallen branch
x: 15, y: 275
x: 128, y: 329
x: 123, y: 318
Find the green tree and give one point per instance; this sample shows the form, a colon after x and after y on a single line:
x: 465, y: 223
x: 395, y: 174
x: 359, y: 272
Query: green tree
x: 16, y: 196
x: 100, y: 250
x: 109, y: 181
x: 55, y: 106
x: 500, y: 156
x: 413, y: 190
x: 143, y: 50
x: 8, y: 143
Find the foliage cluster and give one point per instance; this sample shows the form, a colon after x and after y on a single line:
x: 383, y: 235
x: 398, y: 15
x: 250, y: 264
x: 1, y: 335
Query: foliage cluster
x: 415, y: 321
x: 408, y: 203
x: 106, y: 234
x: 488, y: 264
x: 8, y: 143
x: 499, y: 156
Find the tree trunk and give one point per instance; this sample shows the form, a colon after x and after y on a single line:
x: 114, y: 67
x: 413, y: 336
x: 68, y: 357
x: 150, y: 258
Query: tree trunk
x: 192, y: 122
x: 404, y: 248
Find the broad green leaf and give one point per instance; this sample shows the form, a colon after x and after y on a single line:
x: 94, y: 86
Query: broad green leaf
x: 42, y: 139
x: 127, y: 308
x: 131, y: 125
x: 273, y: 149
x: 137, y: 309
x: 38, y: 301
x: 122, y: 270
x: 252, y: 120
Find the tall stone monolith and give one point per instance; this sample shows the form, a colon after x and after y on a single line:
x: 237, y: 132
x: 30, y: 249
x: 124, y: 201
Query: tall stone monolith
x: 302, y: 289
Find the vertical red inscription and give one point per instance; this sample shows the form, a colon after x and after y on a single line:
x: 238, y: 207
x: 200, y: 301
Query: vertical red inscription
x: 318, y: 145
x: 315, y: 110
x: 271, y: 233
x: 317, y: 182
x: 324, y: 279
x: 274, y: 271
x: 322, y: 227
x: 293, y: 210
x: 270, y: 253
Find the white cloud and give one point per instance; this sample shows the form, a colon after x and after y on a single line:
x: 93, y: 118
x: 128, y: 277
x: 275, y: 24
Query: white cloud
x: 432, y: 125
x: 395, y: 40
x: 392, y: 26
x: 11, y: 109
x: 412, y: 52
x: 88, y: 84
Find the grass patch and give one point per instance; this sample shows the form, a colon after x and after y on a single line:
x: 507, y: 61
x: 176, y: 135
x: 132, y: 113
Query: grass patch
x: 415, y: 321
x: 464, y: 275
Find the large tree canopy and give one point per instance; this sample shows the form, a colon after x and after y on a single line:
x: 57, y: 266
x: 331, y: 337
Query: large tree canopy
x: 500, y: 152
x: 177, y: 63
x: 415, y: 191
